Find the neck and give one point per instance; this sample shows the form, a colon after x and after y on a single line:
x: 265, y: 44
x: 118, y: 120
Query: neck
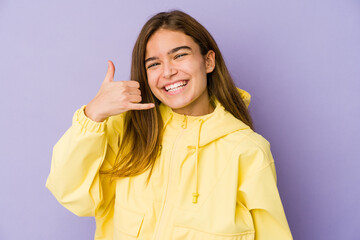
x: 199, y: 110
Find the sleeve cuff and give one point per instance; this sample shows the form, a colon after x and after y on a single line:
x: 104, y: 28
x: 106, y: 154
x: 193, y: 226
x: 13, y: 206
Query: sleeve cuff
x: 87, y: 123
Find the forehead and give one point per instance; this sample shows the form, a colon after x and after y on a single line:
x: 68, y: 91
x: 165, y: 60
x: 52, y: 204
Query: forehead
x: 164, y: 40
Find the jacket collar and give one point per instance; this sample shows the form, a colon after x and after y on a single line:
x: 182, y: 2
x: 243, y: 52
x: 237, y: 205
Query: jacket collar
x: 215, y: 125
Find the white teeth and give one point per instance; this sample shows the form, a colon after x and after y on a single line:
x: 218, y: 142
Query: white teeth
x: 174, y: 86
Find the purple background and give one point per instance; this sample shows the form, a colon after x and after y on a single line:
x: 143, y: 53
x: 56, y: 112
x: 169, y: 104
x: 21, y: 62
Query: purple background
x: 300, y: 60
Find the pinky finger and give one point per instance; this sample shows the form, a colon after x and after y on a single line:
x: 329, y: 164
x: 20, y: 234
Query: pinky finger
x: 141, y: 106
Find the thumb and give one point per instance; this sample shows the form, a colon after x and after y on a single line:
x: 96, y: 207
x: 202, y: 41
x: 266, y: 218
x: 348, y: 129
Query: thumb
x: 110, y: 72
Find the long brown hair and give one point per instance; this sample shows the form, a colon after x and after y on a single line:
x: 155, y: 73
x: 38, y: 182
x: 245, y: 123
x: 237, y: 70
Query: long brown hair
x: 140, y: 144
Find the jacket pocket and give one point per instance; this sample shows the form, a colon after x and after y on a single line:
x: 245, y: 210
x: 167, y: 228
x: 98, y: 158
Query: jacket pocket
x: 182, y: 232
x: 127, y: 223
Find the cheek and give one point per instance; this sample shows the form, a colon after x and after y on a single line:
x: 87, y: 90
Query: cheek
x: 151, y: 80
x: 153, y: 86
x: 195, y: 68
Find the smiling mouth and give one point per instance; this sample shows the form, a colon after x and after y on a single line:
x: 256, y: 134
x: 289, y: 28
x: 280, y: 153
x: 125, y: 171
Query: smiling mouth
x: 175, y: 86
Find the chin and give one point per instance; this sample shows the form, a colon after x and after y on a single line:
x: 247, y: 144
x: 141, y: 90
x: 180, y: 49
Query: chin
x: 176, y: 106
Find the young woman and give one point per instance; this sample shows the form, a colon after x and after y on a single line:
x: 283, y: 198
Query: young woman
x: 170, y: 154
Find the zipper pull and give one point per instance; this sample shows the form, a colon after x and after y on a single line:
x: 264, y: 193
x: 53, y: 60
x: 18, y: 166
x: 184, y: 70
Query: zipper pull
x: 184, y: 123
x: 195, y: 197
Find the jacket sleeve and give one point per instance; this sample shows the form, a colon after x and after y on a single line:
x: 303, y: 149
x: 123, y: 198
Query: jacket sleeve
x: 259, y: 193
x: 74, y: 179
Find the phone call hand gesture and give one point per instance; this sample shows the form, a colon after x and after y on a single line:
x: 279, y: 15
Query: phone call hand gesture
x: 115, y: 97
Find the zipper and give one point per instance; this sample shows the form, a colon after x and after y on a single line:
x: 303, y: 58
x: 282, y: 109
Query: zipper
x: 164, y: 214
x: 184, y: 123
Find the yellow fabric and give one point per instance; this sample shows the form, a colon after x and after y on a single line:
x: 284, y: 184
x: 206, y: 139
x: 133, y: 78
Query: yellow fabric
x: 218, y: 157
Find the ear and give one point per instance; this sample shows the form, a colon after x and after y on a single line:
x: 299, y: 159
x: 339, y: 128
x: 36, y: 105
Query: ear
x: 210, y: 61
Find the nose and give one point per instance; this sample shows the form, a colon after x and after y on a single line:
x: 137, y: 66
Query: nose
x: 169, y: 70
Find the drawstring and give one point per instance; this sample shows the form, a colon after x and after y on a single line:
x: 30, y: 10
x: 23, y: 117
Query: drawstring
x: 195, y: 193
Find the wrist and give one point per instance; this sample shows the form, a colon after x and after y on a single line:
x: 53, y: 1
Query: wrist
x: 93, y: 116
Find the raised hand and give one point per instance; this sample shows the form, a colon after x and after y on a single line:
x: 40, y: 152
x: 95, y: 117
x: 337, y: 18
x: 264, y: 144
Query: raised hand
x: 115, y: 97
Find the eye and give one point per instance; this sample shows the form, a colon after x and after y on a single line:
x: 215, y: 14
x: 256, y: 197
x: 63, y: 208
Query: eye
x: 180, y: 55
x: 152, y: 65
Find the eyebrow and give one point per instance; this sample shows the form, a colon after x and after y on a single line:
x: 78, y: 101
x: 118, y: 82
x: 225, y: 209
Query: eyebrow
x: 170, y: 52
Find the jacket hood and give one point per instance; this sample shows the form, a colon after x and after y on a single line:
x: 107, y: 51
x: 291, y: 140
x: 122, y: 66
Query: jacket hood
x: 246, y: 97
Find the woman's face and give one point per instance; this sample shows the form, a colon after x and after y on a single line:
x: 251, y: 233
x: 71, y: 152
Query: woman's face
x: 176, y: 72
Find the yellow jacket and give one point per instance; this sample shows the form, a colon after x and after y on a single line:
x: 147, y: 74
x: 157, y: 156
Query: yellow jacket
x: 227, y: 166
